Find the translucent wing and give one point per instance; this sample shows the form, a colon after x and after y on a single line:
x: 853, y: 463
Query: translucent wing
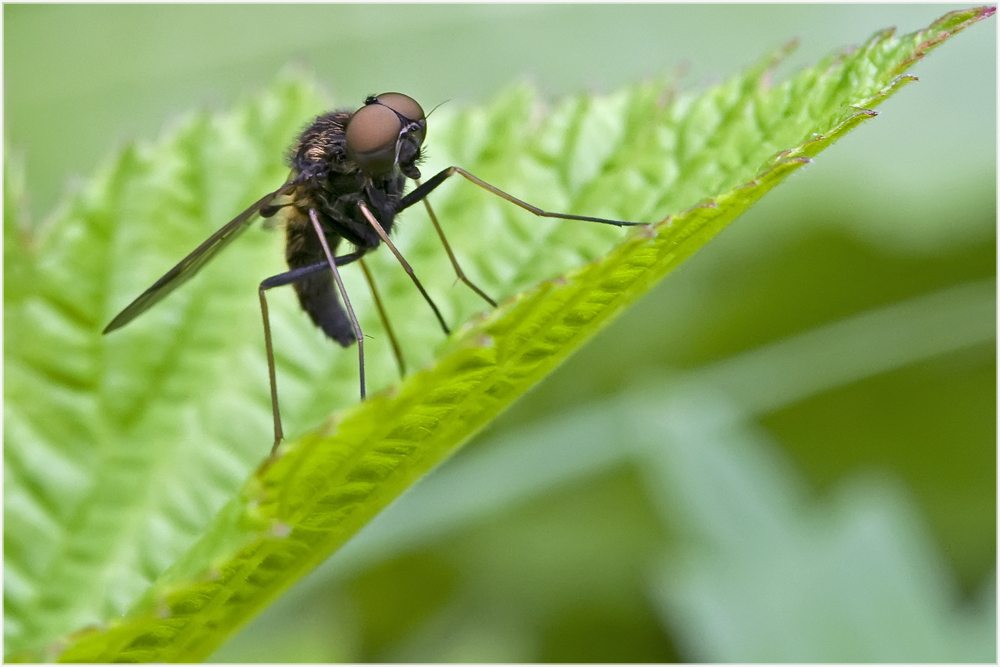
x: 193, y: 263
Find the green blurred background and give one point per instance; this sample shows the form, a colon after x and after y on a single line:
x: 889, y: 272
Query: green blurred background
x: 787, y: 451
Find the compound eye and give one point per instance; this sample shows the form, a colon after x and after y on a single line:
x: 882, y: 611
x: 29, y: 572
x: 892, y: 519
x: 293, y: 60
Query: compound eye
x: 371, y: 138
x: 408, y: 108
x: 404, y: 105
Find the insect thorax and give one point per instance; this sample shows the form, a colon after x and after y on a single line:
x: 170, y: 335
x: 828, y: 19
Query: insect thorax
x: 321, y: 146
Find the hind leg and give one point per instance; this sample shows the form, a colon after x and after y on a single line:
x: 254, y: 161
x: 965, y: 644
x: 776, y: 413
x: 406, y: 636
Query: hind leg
x: 288, y: 278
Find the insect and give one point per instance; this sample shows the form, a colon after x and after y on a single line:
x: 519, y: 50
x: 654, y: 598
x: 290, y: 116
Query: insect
x: 348, y: 175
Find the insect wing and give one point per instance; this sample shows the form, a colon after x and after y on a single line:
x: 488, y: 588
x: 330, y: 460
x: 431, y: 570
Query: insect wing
x: 193, y: 263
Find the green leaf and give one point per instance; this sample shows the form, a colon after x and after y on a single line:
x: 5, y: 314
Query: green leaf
x: 767, y: 574
x: 721, y: 488
x: 122, y: 450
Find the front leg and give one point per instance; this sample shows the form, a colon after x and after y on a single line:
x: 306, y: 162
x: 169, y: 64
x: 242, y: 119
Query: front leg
x: 423, y: 190
x: 406, y: 266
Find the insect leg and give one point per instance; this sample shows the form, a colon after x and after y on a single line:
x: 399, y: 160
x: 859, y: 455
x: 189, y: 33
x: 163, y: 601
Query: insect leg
x: 286, y: 278
x: 343, y: 294
x: 406, y: 267
x: 269, y: 210
x: 425, y: 189
x: 397, y: 352
x: 454, y: 260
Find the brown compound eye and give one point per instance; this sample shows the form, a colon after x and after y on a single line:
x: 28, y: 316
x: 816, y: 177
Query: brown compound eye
x: 372, y: 135
x: 375, y: 130
x: 404, y: 105
x: 408, y: 108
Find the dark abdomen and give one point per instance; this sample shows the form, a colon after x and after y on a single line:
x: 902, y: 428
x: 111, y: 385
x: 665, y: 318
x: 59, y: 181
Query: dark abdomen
x: 317, y: 292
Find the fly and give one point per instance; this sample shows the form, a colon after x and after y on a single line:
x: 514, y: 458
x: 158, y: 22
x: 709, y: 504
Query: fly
x: 348, y: 174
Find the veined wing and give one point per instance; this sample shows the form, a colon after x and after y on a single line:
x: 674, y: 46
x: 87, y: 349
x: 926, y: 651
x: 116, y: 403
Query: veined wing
x: 193, y: 263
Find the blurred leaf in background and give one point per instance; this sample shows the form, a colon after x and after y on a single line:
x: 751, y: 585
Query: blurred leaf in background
x: 771, y: 440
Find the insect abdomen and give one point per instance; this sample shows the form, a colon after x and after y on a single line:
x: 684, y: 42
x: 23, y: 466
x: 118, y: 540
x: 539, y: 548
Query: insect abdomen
x: 318, y: 297
x: 317, y: 292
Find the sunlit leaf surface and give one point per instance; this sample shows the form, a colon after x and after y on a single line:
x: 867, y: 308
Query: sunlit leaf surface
x: 138, y: 513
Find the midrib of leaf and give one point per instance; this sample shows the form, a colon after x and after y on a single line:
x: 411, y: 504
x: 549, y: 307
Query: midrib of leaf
x: 297, y: 509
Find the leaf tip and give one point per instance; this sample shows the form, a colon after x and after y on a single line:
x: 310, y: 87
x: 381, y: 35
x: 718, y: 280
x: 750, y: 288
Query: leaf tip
x: 945, y: 27
x: 960, y: 18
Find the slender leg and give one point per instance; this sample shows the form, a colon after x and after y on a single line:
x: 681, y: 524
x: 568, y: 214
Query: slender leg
x: 454, y: 261
x: 343, y: 294
x: 422, y: 191
x: 397, y: 352
x: 277, y: 281
x: 406, y: 267
x: 278, y: 433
